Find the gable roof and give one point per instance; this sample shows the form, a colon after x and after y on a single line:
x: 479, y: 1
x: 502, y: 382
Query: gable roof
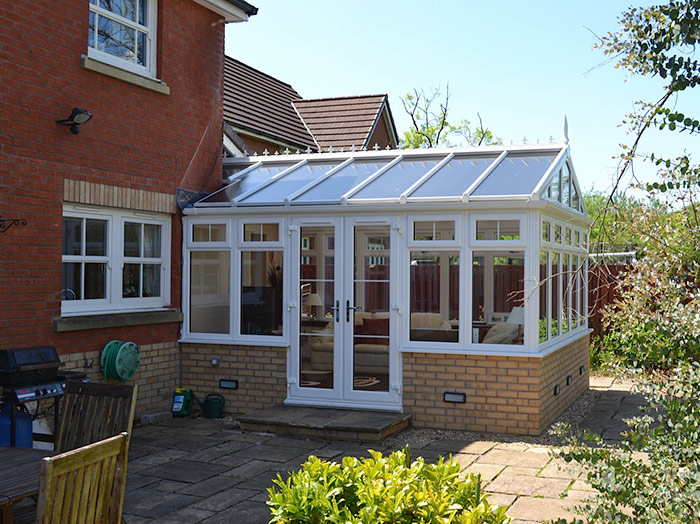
x: 344, y: 122
x: 262, y: 105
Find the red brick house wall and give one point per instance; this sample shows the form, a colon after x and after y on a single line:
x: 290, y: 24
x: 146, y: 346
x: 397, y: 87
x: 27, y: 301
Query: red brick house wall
x: 139, y: 148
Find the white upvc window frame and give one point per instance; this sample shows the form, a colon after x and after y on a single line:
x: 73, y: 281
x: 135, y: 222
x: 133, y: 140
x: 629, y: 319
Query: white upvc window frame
x: 242, y: 246
x: 411, y: 245
x: 574, y: 251
x: 149, y: 69
x: 520, y: 243
x: 114, y: 302
x: 191, y: 246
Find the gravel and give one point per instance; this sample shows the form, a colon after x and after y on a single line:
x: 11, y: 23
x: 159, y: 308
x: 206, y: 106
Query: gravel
x: 418, y: 438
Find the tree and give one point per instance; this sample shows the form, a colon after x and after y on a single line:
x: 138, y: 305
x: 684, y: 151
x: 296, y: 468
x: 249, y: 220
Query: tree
x: 430, y: 127
x: 659, y: 41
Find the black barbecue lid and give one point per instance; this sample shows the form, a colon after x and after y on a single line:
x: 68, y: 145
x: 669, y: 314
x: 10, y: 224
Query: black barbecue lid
x: 18, y: 358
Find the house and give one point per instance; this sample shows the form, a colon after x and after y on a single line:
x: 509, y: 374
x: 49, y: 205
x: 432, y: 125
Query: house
x: 448, y: 283
x: 262, y: 114
x: 90, y: 230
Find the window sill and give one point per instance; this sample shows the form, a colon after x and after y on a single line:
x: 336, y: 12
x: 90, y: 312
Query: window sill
x: 122, y: 74
x: 115, y: 320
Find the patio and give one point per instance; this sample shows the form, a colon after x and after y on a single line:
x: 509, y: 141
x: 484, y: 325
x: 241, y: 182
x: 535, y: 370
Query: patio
x: 198, y: 470
x: 207, y: 471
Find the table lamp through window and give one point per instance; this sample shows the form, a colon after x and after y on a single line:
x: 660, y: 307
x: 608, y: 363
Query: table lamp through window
x: 313, y: 301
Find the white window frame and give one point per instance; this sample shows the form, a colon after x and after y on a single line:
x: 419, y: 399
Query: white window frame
x: 149, y: 30
x: 446, y: 246
x: 114, y: 302
x: 191, y: 246
x: 521, y: 243
x: 237, y: 268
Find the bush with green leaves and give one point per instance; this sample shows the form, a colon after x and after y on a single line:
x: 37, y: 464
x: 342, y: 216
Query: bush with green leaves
x: 381, y: 490
x: 653, y: 476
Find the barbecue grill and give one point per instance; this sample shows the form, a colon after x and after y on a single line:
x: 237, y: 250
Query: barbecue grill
x: 29, y: 374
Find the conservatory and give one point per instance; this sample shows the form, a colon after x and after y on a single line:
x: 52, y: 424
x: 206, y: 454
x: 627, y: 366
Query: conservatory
x: 449, y: 283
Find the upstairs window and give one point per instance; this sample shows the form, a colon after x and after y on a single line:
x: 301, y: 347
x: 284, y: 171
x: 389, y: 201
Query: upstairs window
x: 122, y: 33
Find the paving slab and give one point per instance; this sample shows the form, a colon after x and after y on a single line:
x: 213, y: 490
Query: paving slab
x: 187, y: 515
x: 488, y: 472
x: 538, y: 509
x: 251, y: 468
x: 225, y: 499
x: 246, y: 512
x: 560, y: 469
x: 209, y: 487
x: 460, y: 446
x: 154, y: 504
x: 527, y: 485
x: 506, y: 458
x: 186, y: 471
x: 272, y: 452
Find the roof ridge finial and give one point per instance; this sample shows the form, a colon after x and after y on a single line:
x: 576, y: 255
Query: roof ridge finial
x: 565, y: 130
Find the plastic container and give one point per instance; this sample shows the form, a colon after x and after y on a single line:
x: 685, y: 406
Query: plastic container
x: 23, y: 428
x: 182, y: 402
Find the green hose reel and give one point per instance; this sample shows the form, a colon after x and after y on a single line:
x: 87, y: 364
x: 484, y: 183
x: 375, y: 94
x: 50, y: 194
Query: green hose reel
x: 120, y: 360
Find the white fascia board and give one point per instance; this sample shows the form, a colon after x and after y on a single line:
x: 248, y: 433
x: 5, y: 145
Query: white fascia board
x: 565, y: 213
x: 225, y: 9
x: 574, y: 180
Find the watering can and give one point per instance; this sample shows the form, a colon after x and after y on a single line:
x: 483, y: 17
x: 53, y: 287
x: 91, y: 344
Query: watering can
x: 212, y: 406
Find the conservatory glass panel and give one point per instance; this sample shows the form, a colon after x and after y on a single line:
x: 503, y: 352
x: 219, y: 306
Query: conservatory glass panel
x: 317, y: 293
x: 454, y: 178
x: 261, y: 293
x: 515, y: 175
x: 245, y: 182
x: 397, y: 179
x: 433, y: 231
x: 340, y: 182
x: 210, y: 291
x: 497, y: 297
x: 566, y: 292
x: 555, y: 279
x: 565, y: 185
x: 544, y: 295
x: 283, y: 187
x: 434, y: 296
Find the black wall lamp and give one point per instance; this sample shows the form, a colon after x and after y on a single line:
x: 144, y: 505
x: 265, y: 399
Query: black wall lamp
x: 77, y: 118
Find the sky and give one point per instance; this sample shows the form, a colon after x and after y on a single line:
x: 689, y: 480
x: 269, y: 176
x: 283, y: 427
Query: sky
x: 521, y: 65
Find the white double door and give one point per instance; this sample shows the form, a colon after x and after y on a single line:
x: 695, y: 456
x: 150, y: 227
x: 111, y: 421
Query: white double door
x: 343, y: 350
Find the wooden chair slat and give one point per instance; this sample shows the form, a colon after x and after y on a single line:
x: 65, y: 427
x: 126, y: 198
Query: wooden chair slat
x: 85, y: 485
x: 91, y: 412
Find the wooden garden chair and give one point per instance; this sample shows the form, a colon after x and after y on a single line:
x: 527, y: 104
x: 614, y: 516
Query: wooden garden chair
x: 91, y: 412
x: 84, y: 485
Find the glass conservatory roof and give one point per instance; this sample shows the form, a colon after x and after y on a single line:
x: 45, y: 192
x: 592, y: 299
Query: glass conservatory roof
x: 395, y: 176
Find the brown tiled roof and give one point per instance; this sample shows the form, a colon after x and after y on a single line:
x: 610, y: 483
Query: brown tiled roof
x: 341, y: 122
x: 262, y: 104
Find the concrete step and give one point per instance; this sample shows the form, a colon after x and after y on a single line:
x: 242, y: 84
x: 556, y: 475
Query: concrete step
x: 329, y: 423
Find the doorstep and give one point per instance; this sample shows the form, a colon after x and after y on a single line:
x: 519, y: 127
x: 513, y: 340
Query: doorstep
x: 330, y: 423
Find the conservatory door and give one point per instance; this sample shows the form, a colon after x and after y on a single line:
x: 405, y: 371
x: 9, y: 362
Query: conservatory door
x: 343, y: 353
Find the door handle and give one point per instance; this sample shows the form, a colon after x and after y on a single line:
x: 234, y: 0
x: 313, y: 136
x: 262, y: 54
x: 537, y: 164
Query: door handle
x: 348, y: 307
x: 336, y: 310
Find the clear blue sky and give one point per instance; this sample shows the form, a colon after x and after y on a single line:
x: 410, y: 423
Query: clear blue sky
x: 521, y: 65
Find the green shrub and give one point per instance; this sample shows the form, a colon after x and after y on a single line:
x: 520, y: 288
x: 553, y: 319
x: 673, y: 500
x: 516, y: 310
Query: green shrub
x: 381, y: 490
x: 653, y: 476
